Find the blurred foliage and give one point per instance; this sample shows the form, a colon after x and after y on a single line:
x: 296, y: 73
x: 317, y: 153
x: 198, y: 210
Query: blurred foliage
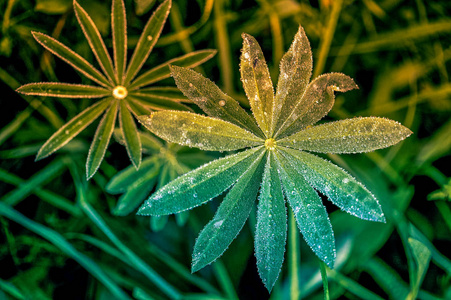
x: 60, y: 239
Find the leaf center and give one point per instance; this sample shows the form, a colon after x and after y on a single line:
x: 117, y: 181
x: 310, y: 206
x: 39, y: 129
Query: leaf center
x: 120, y: 92
x: 270, y: 144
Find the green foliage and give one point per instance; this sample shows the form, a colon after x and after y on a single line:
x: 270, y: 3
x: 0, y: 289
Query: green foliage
x: 313, y: 101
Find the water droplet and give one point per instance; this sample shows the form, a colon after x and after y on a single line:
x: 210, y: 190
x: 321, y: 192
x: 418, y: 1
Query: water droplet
x: 345, y: 180
x: 66, y: 131
x: 221, y: 103
x: 218, y: 224
x: 149, y: 37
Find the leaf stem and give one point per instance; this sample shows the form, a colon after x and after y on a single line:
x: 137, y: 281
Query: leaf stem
x: 294, y: 257
x: 323, y: 269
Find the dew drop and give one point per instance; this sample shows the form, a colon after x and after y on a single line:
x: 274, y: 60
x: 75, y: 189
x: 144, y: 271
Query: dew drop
x: 218, y: 224
x: 345, y: 180
x: 149, y: 38
x: 221, y: 103
x: 66, y: 131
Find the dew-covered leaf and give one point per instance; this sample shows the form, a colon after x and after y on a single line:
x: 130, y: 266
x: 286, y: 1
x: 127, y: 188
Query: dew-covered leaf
x: 95, y: 41
x: 125, y: 178
x: 209, y: 97
x: 130, y: 134
x: 349, y: 136
x: 315, y: 103
x: 230, y: 218
x: 72, y: 128
x: 155, y: 103
x: 340, y: 187
x: 257, y: 82
x: 200, y: 185
x: 198, y: 131
x: 309, y: 211
x: 162, y: 71
x: 119, y: 31
x: 147, y: 40
x: 271, y: 232
x: 101, y: 140
x: 63, y: 90
x: 295, y: 73
x: 70, y: 57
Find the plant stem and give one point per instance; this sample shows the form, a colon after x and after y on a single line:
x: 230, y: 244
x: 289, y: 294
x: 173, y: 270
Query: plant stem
x: 294, y: 257
x: 322, y: 266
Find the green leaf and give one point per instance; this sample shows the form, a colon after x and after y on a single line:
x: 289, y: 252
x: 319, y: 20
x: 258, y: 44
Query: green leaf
x: 309, y: 211
x: 130, y: 133
x: 164, y: 93
x: 198, y: 131
x: 101, y: 140
x: 70, y: 57
x: 295, y: 73
x: 72, y: 128
x: 422, y: 256
x: 200, y: 185
x: 233, y: 212
x: 95, y: 41
x: 271, y: 232
x: 137, y: 107
x: 63, y: 90
x: 257, y: 82
x: 315, y: 103
x: 207, y: 95
x: 119, y: 31
x: 162, y: 71
x: 348, y: 136
x: 340, y: 187
x: 127, y: 177
x: 147, y: 40
x: 155, y: 103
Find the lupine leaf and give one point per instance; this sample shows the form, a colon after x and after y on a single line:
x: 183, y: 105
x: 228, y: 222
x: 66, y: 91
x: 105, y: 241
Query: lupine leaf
x: 200, y: 185
x: 257, y: 82
x: 148, y: 39
x: 162, y: 71
x: 138, y: 108
x: 340, y: 187
x: 316, y: 102
x: 70, y: 57
x: 205, y: 94
x: 119, y: 31
x: 167, y: 93
x: 233, y: 212
x: 198, y: 131
x: 95, y: 41
x: 130, y: 133
x: 125, y: 178
x: 422, y: 256
x: 271, y: 232
x: 295, y: 73
x: 156, y: 103
x: 72, y: 128
x: 63, y: 90
x: 101, y: 140
x: 309, y: 211
x: 349, y: 136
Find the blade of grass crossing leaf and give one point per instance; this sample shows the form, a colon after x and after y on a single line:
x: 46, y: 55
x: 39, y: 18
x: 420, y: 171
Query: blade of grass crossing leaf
x: 155, y: 103
x: 387, y: 278
x: 130, y: 133
x: 119, y: 31
x: 257, y: 82
x: 168, y: 93
x: 138, y: 263
x: 12, y: 290
x: 223, y: 278
x: 348, y: 136
x: 63, y: 90
x: 310, y: 213
x: 95, y: 41
x: 70, y: 57
x: 72, y: 129
x: 200, y: 185
x: 352, y: 286
x: 339, y: 187
x: 101, y: 140
x: 147, y: 40
x: 194, y: 130
x: 162, y: 71
x: 295, y: 73
x: 207, y: 95
x: 271, y: 231
x: 61, y: 243
x: 228, y: 221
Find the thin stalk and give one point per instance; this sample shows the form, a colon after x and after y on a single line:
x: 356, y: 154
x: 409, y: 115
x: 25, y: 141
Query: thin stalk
x: 224, y: 279
x: 323, y: 269
x: 294, y: 258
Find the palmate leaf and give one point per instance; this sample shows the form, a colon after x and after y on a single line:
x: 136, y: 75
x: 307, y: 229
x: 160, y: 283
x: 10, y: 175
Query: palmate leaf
x: 200, y: 185
x: 233, y: 212
x: 194, y: 130
x: 130, y: 134
x: 63, y: 90
x: 271, y: 231
x: 348, y: 136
